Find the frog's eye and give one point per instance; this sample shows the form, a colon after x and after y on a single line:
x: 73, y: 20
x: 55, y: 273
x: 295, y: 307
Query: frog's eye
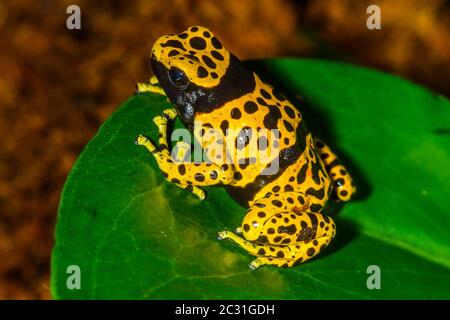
x: 178, y: 78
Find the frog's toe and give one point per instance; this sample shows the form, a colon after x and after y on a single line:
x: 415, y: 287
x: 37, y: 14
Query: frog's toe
x: 143, y: 141
x: 199, y: 193
x: 238, y: 230
x: 140, y: 140
x: 160, y: 120
x: 254, y: 264
x: 222, y: 235
x: 170, y: 114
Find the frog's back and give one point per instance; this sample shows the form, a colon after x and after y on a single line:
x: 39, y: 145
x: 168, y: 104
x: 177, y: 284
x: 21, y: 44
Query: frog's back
x: 290, y: 160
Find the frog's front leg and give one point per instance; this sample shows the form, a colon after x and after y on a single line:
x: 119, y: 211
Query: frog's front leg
x: 153, y: 87
x: 186, y: 175
x: 282, y: 231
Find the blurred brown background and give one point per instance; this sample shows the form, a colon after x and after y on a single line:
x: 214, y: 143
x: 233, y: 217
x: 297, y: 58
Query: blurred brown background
x: 57, y: 86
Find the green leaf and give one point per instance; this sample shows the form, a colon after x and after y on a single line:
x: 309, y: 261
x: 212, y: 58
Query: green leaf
x: 134, y: 235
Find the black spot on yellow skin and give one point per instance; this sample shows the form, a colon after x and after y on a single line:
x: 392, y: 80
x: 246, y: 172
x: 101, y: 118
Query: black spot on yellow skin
x: 271, y: 231
x: 310, y: 252
x: 319, y: 194
x: 262, y: 239
x: 173, y: 53
x: 199, y: 177
x: 243, y: 166
x: 182, y: 169
x: 236, y: 113
x: 261, y: 252
x: 214, y: 75
x: 271, y: 119
x: 265, y: 94
x: 216, y: 44
x: 315, y: 242
x: 224, y: 126
x: 237, y: 175
x: 280, y: 254
x: 261, y: 214
x: 291, y: 229
x: 207, y: 60
x: 313, y: 218
x: 250, y: 107
x: 202, y: 72
x: 277, y: 239
x: 301, y: 176
x: 261, y: 101
x: 197, y: 43
x: 288, y: 126
x: 276, y: 189
x: 217, y: 55
x: 289, y: 112
x: 174, y: 44
x: 246, y: 227
x: 277, y: 203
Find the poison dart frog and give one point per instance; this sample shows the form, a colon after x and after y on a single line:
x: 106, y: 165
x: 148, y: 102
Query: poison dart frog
x: 214, y: 94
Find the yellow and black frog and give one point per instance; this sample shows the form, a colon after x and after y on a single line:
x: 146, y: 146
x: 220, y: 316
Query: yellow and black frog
x: 256, y: 145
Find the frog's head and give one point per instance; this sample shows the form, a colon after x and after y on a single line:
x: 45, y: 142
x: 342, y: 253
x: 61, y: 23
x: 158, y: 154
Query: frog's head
x: 197, y: 73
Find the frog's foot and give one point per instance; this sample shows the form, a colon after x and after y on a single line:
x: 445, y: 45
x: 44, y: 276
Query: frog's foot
x: 162, y: 157
x: 144, y: 141
x: 344, y: 186
x: 147, y: 87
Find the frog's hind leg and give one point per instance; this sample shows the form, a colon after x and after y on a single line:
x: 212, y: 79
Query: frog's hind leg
x: 342, y: 181
x: 280, y: 230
